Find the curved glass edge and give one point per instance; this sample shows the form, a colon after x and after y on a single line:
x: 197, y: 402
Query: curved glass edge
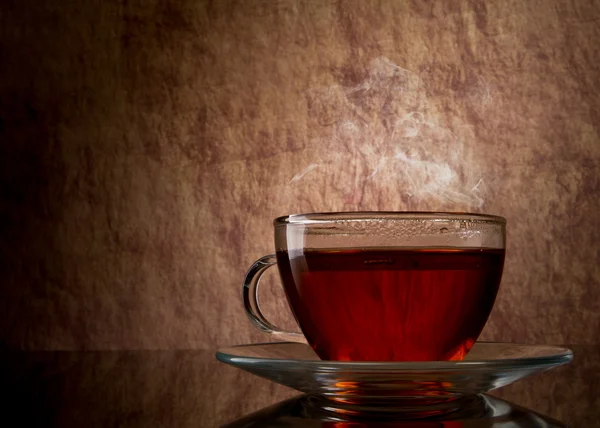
x: 563, y: 356
x: 327, y: 217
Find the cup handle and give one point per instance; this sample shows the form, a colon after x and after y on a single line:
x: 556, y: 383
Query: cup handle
x: 250, y: 297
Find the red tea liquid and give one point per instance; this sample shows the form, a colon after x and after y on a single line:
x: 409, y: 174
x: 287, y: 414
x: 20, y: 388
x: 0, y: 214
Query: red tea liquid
x: 387, y: 304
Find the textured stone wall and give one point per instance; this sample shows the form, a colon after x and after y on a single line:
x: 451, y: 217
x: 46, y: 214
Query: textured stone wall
x: 146, y: 147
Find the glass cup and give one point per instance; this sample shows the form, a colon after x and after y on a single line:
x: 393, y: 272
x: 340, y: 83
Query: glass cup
x: 384, y: 286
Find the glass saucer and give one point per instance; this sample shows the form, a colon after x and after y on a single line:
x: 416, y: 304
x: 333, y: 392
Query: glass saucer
x: 380, y: 389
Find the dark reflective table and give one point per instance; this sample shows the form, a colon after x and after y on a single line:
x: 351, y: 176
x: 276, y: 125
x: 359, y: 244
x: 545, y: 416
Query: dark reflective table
x: 191, y: 388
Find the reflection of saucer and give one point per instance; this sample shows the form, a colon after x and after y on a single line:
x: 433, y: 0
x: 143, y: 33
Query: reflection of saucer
x: 487, y: 411
x: 379, y: 388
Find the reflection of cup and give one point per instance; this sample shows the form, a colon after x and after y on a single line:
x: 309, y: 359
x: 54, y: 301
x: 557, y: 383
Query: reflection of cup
x: 385, y: 286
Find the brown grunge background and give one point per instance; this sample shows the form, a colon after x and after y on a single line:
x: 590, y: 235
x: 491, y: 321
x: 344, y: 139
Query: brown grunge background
x: 146, y: 147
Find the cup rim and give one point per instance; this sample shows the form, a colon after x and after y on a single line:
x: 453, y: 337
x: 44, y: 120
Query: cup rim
x: 335, y: 216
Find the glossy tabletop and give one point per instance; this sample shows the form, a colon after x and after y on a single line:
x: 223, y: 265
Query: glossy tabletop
x: 191, y: 388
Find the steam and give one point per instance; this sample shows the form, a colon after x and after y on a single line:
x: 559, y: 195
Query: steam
x: 302, y: 173
x: 383, y: 122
